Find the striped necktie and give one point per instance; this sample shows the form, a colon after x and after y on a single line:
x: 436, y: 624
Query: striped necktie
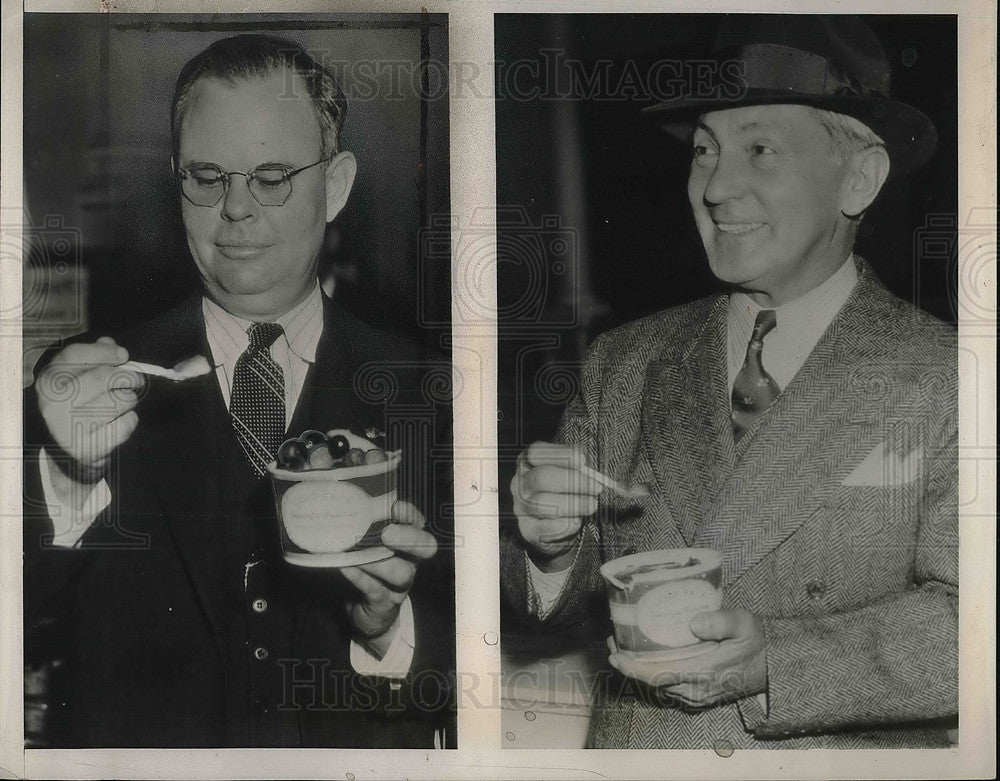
x: 257, y: 401
x: 754, y: 389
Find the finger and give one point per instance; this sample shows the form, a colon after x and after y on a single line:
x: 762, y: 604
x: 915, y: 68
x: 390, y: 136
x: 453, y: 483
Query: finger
x: 627, y: 665
x: 612, y: 645
x: 92, y: 386
x: 96, y: 393
x: 550, y: 531
x: 407, y: 513
x: 717, y: 625
x: 120, y: 429
x: 99, y: 352
x: 411, y: 542
x: 118, y: 378
x: 556, y: 479
x: 394, y: 574
x: 104, y: 440
x: 685, y: 693
x: 565, y: 456
x: 371, y: 589
x: 554, y: 505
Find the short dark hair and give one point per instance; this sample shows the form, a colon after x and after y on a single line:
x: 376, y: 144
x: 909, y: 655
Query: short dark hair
x: 243, y: 57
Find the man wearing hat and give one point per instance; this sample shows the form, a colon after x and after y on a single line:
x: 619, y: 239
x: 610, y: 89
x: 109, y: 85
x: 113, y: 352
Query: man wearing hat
x: 804, y: 425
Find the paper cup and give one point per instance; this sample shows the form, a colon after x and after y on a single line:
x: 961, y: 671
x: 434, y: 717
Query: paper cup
x: 654, y: 595
x: 334, y: 517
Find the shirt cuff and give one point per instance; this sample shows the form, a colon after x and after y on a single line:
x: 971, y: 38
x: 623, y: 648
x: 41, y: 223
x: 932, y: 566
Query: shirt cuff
x: 397, y: 660
x: 69, y: 523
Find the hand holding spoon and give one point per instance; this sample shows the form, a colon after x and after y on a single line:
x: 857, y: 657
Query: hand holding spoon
x: 195, y: 366
x: 636, y: 491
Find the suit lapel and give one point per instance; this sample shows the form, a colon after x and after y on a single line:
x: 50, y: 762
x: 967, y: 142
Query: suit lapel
x: 328, y: 399
x: 689, y: 439
x: 797, y: 454
x: 187, y: 440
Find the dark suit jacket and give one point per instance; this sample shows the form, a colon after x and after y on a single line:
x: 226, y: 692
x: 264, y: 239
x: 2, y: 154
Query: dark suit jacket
x: 154, y: 611
x: 836, y: 515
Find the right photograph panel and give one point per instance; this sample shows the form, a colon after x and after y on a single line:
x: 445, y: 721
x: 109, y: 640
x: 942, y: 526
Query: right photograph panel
x: 728, y: 418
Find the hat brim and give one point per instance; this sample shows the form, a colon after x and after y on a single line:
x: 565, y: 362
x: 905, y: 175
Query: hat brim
x: 909, y: 135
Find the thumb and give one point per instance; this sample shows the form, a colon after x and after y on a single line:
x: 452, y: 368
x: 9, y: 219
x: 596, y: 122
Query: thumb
x: 406, y: 513
x: 717, y: 625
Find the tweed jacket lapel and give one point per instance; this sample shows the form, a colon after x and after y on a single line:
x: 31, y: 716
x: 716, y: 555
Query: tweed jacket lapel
x: 791, y: 461
x: 686, y: 424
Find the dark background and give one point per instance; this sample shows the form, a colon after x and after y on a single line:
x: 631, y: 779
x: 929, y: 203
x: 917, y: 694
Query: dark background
x: 101, y: 197
x: 104, y: 244
x: 596, y: 228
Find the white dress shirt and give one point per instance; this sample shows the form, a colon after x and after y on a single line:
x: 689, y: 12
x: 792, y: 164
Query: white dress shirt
x: 799, y: 326
x: 294, y: 352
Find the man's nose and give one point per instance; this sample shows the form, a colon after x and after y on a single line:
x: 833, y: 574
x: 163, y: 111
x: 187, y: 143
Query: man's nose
x: 239, y: 203
x: 727, y: 181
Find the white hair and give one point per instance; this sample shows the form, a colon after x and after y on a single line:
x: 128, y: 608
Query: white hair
x: 849, y: 135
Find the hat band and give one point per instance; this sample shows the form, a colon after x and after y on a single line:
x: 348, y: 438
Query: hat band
x: 775, y: 67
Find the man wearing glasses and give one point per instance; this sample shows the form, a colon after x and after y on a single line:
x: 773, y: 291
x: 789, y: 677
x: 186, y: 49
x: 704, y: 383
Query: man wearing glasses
x: 158, y: 539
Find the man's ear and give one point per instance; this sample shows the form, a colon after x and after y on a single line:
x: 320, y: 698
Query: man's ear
x: 340, y: 172
x: 867, y: 173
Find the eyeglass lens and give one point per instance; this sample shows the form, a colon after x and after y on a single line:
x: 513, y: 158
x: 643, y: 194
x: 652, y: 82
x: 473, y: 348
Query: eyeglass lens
x: 207, y: 186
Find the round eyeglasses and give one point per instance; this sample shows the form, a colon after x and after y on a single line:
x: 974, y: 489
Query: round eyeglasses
x: 205, y: 184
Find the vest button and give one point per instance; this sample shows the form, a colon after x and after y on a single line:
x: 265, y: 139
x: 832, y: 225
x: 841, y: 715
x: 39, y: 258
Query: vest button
x: 260, y: 653
x: 816, y: 589
x: 259, y: 605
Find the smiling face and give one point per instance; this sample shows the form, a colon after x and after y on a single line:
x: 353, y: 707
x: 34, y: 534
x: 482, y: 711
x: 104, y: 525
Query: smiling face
x: 258, y: 262
x: 768, y: 192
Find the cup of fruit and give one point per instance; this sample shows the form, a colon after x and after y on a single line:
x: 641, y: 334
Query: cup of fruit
x: 654, y: 595
x: 334, y: 494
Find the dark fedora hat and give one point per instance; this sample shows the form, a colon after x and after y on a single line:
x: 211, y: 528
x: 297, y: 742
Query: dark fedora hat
x: 827, y: 61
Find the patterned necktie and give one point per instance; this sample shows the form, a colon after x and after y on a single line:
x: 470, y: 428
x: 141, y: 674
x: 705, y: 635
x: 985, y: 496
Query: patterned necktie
x: 754, y: 390
x: 257, y: 401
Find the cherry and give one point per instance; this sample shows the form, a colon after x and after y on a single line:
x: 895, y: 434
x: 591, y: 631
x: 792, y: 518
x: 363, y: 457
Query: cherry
x: 312, y: 438
x: 339, y: 446
x: 292, y: 454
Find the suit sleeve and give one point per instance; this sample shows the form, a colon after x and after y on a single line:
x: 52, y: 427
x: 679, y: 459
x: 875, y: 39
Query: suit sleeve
x: 582, y: 597
x: 894, y: 660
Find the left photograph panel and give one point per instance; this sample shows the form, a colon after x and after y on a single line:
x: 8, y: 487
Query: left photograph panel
x: 238, y: 513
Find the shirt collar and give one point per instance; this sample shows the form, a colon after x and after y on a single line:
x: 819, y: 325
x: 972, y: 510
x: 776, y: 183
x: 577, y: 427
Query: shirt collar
x: 227, y: 333
x: 807, y: 315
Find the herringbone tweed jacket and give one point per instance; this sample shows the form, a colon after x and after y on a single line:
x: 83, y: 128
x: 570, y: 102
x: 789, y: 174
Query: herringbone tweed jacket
x: 836, y: 514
